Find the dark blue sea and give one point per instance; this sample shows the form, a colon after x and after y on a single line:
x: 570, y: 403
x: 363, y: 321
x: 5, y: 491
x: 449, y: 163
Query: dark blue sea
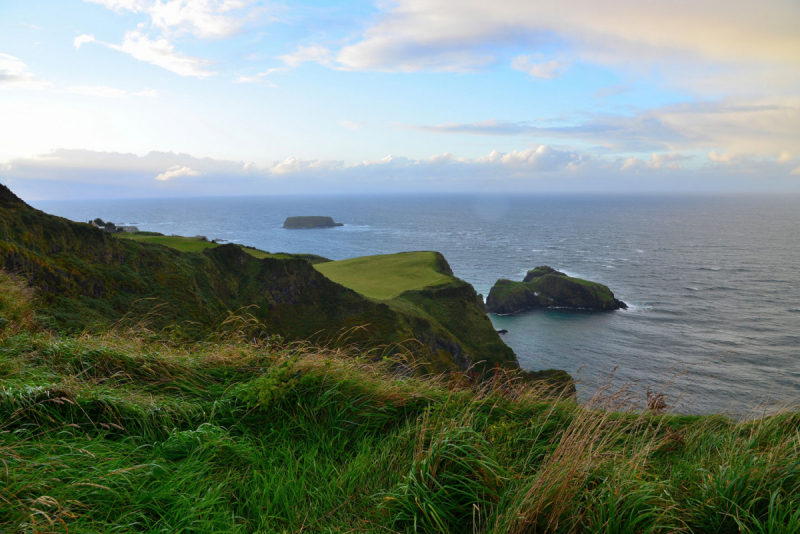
x: 713, y: 283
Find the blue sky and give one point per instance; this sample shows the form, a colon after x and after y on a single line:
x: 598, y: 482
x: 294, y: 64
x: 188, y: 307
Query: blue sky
x: 110, y: 98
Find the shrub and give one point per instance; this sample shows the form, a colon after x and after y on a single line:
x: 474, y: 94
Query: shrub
x: 16, y: 308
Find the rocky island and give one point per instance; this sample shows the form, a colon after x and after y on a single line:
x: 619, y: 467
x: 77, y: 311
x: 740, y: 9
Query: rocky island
x: 544, y: 287
x: 312, y: 221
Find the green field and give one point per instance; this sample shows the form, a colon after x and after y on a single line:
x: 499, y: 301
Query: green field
x: 387, y: 276
x: 184, y: 244
x: 194, y: 244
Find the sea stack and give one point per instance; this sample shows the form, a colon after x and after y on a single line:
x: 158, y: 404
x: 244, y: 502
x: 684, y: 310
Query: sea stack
x: 544, y: 287
x: 311, y: 221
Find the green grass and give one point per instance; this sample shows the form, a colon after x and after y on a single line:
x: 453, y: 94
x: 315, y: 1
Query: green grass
x: 132, y: 431
x: 194, y: 244
x: 117, y: 433
x: 386, y: 276
x: 184, y: 244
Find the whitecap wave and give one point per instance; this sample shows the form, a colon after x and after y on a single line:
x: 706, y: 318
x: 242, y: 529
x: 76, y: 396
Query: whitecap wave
x: 634, y: 308
x: 693, y: 288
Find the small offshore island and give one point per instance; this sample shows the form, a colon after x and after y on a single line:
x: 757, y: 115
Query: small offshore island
x: 544, y: 287
x: 310, y: 221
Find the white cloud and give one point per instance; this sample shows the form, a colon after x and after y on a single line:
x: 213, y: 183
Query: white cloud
x: 296, y: 165
x: 795, y: 171
x: 123, y: 5
x: 81, y: 39
x: 784, y: 157
x: 201, y: 18
x: 176, y: 171
x: 159, y: 52
x: 14, y: 73
x: 656, y: 161
x: 170, y: 19
x: 352, y: 125
x: 546, y: 70
x: 305, y: 54
x: 260, y: 77
x: 743, y: 40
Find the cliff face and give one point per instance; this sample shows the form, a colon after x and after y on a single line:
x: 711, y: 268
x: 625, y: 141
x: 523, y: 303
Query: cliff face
x: 84, y: 276
x: 544, y: 287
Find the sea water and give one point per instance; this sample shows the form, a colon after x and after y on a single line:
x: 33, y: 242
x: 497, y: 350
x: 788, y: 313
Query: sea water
x: 713, y: 283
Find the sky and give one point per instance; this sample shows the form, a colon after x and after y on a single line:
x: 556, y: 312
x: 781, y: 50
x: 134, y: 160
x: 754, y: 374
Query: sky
x: 155, y: 98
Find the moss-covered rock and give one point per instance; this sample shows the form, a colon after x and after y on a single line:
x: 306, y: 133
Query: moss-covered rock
x: 545, y: 287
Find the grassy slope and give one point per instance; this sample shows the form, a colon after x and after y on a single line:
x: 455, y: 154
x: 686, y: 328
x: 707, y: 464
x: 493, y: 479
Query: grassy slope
x: 125, y: 433
x: 85, y: 276
x: 386, y: 276
x: 194, y: 244
x: 184, y: 244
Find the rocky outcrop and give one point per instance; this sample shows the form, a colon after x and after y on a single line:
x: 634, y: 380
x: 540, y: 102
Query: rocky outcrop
x: 314, y: 221
x: 545, y: 287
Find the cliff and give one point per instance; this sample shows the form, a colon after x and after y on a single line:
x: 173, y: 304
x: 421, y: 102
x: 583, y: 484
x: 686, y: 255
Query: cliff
x: 544, y: 287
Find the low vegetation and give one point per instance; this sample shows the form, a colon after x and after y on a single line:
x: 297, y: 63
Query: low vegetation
x: 136, y: 430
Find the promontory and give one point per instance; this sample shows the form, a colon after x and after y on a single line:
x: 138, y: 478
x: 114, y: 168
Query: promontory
x: 544, y: 287
x: 312, y: 221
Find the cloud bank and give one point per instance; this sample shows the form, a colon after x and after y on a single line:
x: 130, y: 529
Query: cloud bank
x: 740, y: 126
x: 746, y: 41
x: 78, y: 173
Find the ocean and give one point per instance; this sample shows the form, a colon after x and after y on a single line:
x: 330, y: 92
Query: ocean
x: 713, y: 283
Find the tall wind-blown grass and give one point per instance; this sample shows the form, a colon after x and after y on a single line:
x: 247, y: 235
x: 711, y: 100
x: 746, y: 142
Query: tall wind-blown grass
x: 136, y: 431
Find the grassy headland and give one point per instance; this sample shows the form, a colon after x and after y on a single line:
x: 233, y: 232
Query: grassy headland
x: 129, y: 430
x: 386, y: 276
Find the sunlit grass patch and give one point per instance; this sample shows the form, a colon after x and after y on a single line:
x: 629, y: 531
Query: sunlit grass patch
x: 386, y: 276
